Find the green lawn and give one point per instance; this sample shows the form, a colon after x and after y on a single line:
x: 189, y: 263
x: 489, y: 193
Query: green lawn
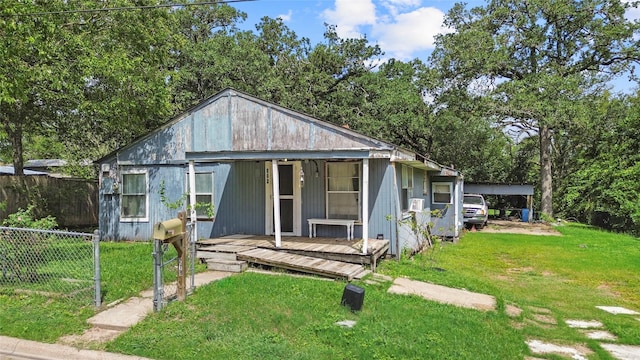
x: 263, y: 316
x: 127, y: 268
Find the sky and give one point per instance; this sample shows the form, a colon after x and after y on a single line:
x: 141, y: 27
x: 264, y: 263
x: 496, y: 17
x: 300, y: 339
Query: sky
x: 404, y: 29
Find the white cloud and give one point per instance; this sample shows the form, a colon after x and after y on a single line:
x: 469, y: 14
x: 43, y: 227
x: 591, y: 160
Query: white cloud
x: 286, y: 17
x: 410, y: 32
x: 402, y: 28
x: 350, y: 15
x: 633, y: 12
x: 395, y: 6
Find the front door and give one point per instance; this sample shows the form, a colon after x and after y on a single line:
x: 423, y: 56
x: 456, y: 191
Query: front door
x: 290, y: 204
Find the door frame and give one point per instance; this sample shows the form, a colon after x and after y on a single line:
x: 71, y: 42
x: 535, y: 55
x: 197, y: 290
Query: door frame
x: 297, y: 198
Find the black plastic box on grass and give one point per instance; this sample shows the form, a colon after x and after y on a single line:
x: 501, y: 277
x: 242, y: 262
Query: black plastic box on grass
x: 353, y: 297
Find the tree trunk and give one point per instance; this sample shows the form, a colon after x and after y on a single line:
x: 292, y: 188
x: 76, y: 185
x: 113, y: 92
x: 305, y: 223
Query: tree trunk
x: 14, y: 132
x: 546, y: 177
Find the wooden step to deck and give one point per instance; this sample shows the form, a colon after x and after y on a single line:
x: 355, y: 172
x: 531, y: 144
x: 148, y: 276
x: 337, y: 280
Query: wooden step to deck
x: 307, y: 264
x: 222, y: 252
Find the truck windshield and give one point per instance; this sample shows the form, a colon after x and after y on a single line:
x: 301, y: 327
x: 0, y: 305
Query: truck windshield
x: 475, y: 200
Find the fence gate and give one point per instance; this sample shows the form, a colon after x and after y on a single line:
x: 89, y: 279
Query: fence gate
x: 51, y: 263
x: 168, y: 269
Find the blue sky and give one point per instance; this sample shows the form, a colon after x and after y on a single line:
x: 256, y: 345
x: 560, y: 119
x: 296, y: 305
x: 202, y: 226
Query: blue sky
x: 404, y: 29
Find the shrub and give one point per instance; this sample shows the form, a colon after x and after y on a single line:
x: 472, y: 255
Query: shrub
x: 26, y: 219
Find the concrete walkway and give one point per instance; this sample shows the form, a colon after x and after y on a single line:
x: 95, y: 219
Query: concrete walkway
x: 107, y: 325
x: 18, y: 349
x: 592, y: 329
x: 443, y: 294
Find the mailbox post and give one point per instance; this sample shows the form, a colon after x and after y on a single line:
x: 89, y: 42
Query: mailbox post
x: 173, y: 231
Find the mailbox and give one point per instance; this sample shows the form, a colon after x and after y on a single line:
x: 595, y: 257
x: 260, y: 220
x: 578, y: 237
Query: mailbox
x: 167, y: 229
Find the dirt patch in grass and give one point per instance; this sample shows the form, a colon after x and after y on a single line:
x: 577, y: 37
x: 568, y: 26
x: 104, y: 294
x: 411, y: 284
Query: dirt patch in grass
x: 518, y: 227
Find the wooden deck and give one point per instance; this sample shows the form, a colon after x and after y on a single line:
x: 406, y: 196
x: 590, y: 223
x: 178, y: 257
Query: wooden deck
x: 332, y: 257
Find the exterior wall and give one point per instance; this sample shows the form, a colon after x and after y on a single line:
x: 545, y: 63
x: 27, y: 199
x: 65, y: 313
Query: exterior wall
x: 111, y: 226
x: 240, y: 200
x: 407, y: 239
x: 382, y: 203
x: 446, y: 223
x: 442, y: 216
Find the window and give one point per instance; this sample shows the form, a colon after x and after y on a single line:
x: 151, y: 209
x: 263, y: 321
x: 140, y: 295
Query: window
x: 407, y: 186
x: 425, y: 184
x: 204, y: 195
x: 134, y: 198
x: 441, y: 193
x: 343, y: 190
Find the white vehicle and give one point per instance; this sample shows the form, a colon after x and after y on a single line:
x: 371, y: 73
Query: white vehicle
x: 475, y: 210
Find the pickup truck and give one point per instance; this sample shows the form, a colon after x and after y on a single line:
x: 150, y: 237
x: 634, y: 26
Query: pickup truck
x: 475, y: 211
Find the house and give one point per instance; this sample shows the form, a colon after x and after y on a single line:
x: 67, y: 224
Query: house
x: 248, y: 159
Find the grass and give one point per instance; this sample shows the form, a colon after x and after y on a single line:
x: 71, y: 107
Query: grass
x: 127, y: 269
x: 265, y: 316
x: 253, y: 316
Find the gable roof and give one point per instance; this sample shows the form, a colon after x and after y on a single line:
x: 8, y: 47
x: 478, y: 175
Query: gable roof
x: 232, y: 124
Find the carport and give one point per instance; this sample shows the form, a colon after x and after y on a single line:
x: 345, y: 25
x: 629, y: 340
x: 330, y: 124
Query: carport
x: 503, y: 190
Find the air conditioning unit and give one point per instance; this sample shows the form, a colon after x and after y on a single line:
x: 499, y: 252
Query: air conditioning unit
x: 416, y: 205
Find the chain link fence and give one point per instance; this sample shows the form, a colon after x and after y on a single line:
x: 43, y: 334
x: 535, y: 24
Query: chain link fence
x: 167, y: 269
x: 50, y: 263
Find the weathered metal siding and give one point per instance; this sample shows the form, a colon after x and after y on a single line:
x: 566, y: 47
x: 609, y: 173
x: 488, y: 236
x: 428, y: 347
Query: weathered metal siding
x: 258, y: 127
x: 114, y: 229
x: 313, y: 194
x: 406, y: 237
x: 211, y: 126
x: 241, y: 205
x: 445, y: 224
x: 166, y: 145
x: 382, y: 202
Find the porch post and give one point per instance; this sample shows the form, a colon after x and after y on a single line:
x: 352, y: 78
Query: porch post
x: 276, y: 202
x: 365, y: 205
x: 192, y: 199
x: 456, y: 207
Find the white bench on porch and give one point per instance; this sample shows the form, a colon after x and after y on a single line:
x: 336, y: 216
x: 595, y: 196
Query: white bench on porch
x: 344, y: 222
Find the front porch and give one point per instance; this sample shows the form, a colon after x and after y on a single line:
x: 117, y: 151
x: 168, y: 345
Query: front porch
x: 332, y: 257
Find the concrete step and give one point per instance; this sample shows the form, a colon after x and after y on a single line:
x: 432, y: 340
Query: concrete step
x: 235, y: 266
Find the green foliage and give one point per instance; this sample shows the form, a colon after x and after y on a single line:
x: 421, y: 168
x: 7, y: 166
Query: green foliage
x: 603, y: 189
x: 179, y: 203
x: 164, y: 199
x: 25, y: 218
x: 532, y: 63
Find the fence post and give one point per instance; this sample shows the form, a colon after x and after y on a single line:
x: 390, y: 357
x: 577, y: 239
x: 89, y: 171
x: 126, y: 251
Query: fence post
x: 96, y: 268
x: 158, y: 292
x: 182, y: 260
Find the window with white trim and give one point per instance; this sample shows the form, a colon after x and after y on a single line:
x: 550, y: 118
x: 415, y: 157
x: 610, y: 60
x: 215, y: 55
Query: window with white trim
x: 204, y: 195
x: 407, y: 186
x: 343, y: 190
x: 441, y: 192
x: 134, y: 198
